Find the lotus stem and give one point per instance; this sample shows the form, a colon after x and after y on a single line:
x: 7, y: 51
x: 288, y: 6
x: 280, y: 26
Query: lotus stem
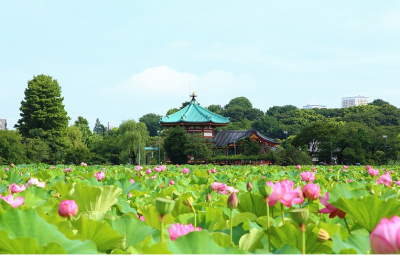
x: 195, y: 219
x: 268, y: 224
x: 283, y: 214
x: 162, y: 231
x: 302, y: 227
x: 230, y: 228
x: 252, y: 201
x: 348, y: 229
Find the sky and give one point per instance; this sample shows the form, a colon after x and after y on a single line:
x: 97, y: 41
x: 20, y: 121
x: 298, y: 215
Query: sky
x: 119, y: 60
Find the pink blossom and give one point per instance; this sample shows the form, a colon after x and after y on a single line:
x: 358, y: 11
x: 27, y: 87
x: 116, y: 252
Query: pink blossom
x: 213, y: 170
x: 84, y: 164
x: 171, y: 182
x: 177, y: 230
x: 141, y: 217
x: 68, y: 169
x: 391, y: 171
x: 298, y: 167
x: 231, y: 189
x: 32, y: 182
x: 284, y: 193
x: 311, y: 191
x: 68, y: 208
x: 385, y: 238
x: 6, y: 168
x: 153, y: 177
x: 345, y: 167
x: 129, y: 195
x: 53, y: 167
x: 368, y: 167
x: 157, y: 169
x: 13, y: 202
x: 177, y: 165
x: 331, y: 170
x: 132, y: 181
x: 138, y: 168
x: 332, y: 210
x: 148, y: 171
x: 373, y: 172
x: 100, y: 175
x: 263, y: 177
x: 162, y: 167
x: 314, y: 169
x: 214, y: 186
x: 185, y: 170
x: 349, y: 180
x: 385, y: 179
x: 397, y: 182
x: 14, y: 188
x: 307, y: 176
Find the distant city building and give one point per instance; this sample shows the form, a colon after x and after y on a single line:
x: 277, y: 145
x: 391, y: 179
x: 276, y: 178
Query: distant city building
x: 3, y: 124
x: 311, y: 106
x: 354, y: 101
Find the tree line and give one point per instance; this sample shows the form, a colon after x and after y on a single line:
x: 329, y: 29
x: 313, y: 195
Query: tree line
x: 368, y: 134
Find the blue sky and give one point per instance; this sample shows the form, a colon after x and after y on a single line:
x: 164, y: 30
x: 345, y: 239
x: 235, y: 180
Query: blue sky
x: 120, y: 60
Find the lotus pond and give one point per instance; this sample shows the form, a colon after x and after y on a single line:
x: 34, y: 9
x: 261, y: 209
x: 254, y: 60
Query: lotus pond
x: 201, y: 209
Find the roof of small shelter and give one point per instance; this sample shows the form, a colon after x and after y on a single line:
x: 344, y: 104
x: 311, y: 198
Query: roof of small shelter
x: 223, y: 138
x: 194, y: 113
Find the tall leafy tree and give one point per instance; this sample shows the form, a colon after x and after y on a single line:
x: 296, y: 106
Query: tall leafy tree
x: 43, y: 115
x: 198, y: 148
x: 174, y: 145
x: 11, y: 148
x: 152, y: 122
x: 99, y: 128
x: 240, y: 102
x: 217, y: 109
x: 83, y: 126
x: 132, y: 139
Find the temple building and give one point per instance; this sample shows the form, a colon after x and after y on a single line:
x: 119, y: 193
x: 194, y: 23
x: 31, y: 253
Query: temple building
x: 196, y: 119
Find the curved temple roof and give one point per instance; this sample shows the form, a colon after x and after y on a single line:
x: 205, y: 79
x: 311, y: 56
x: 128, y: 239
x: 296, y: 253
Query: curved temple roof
x: 194, y: 113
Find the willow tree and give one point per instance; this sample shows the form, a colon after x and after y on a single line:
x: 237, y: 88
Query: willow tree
x: 43, y: 115
x: 132, y: 140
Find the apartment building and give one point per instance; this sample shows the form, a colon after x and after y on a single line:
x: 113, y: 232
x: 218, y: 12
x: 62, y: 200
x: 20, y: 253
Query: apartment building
x: 354, y: 101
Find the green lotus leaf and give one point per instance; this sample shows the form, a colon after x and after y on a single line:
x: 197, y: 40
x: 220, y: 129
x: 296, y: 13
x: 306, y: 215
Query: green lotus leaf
x: 221, y: 239
x: 39, y: 192
x: 30, y: 200
x: 368, y: 210
x: 243, y: 217
x: 100, y: 232
x: 126, y: 185
x: 25, y: 245
x: 124, y: 206
x: 29, y: 224
x: 252, y: 240
x: 179, y: 207
x: 96, y: 199
x: 199, y: 242
x: 341, y: 190
x: 287, y: 249
x: 3, y: 187
x: 246, y: 204
x: 151, y: 216
x: 62, y: 187
x: 159, y: 248
x: 358, y: 243
x: 135, y: 231
x: 14, y: 177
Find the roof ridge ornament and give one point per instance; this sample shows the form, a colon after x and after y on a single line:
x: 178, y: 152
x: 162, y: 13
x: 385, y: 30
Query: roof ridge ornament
x: 193, y: 96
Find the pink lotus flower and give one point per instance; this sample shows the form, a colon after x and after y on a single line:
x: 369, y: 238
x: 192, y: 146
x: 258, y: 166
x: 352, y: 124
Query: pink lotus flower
x: 35, y: 182
x: 171, y: 183
x: 385, y: 238
x: 84, y: 164
x: 6, y: 168
x: 314, y: 169
x: 307, y: 176
x: 100, y: 175
x: 132, y: 181
x: 148, y: 171
x: 391, y: 171
x: 185, y: 170
x: 16, y: 189
x: 138, y: 168
x: 162, y: 167
x: 284, y: 193
x: 177, y: 230
x: 53, y: 167
x: 177, y: 165
x: 153, y: 177
x: 231, y: 189
x: 13, y: 202
x: 345, y: 167
x: 157, y: 169
x: 331, y: 170
x: 298, y: 167
x: 332, y: 210
x: 368, y: 167
x: 141, y: 217
x: 129, y: 195
x: 373, y: 172
x: 385, y: 179
x: 397, y: 182
x: 311, y: 191
x: 349, y: 180
x: 68, y: 208
x: 68, y: 169
x: 213, y: 170
x: 214, y: 186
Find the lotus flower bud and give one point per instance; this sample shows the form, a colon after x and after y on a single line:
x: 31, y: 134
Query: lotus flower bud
x: 323, y: 236
x: 188, y: 202
x: 208, y: 198
x: 300, y: 215
x: 265, y: 190
x: 164, y: 206
x: 175, y: 195
x: 232, y: 201
x: 12, y: 165
x: 249, y: 186
x: 68, y: 208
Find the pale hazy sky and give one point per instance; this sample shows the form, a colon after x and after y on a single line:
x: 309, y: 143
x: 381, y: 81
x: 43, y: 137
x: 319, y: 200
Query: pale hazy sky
x: 120, y: 60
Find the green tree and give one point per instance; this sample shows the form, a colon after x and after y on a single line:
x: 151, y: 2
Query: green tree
x: 11, y: 148
x: 152, y: 122
x: 99, y: 128
x: 217, y: 109
x: 172, y: 111
x: 248, y: 147
x: 104, y: 149
x: 132, y: 139
x: 174, y: 145
x: 199, y: 148
x: 37, y: 150
x: 379, y: 102
x: 267, y: 125
x: 43, y: 115
x: 278, y: 110
x: 83, y: 126
x: 77, y: 151
x: 239, y: 102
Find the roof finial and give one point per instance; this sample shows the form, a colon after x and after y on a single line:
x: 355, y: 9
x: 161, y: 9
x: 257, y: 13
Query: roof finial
x: 193, y: 96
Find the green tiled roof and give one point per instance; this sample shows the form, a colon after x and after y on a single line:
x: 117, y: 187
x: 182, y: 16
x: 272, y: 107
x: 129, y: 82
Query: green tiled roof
x: 194, y: 113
